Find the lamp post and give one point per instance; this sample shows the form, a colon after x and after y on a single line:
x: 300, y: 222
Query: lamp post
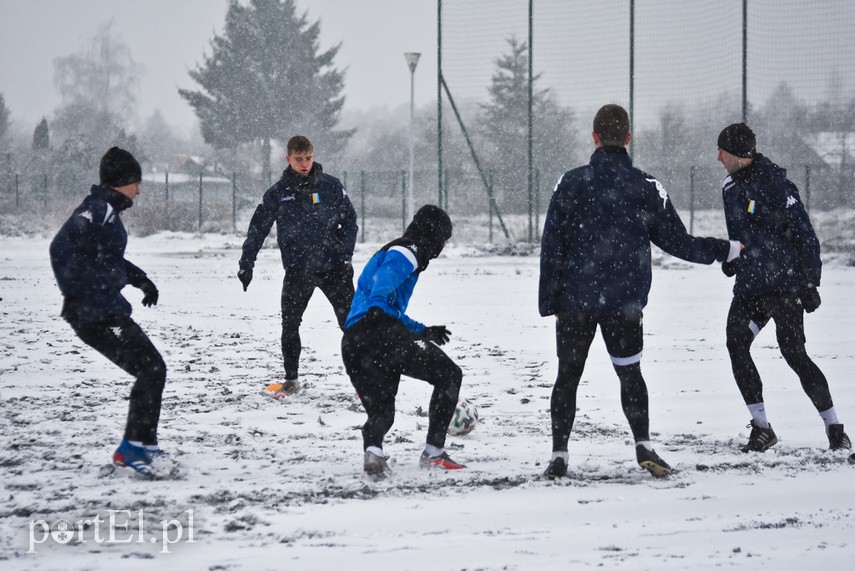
x: 412, y: 61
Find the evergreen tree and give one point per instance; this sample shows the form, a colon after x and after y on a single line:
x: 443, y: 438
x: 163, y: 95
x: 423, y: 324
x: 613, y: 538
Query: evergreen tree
x: 504, y: 128
x: 41, y: 136
x: 266, y: 80
x: 4, y: 119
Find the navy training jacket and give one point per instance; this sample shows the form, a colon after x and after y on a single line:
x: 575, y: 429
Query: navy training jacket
x: 763, y: 210
x: 595, y: 252
x: 88, y: 258
x: 315, y: 222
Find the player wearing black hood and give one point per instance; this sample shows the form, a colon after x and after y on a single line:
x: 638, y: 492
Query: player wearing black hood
x: 381, y: 342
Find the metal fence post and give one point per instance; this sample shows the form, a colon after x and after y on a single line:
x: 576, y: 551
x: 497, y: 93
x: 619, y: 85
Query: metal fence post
x: 234, y: 201
x: 490, y: 206
x: 362, y: 205
x: 404, y: 200
x: 200, y: 201
x: 537, y: 203
x: 17, y: 192
x: 692, y: 199
x: 807, y: 188
x: 362, y: 198
x: 45, y: 189
x: 167, y: 186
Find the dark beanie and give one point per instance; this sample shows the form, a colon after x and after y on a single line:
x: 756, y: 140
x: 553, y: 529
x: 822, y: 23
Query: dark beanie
x: 738, y: 140
x: 119, y: 168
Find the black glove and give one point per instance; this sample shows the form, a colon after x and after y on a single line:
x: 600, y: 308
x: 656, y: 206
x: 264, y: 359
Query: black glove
x: 437, y: 333
x: 245, y: 276
x: 728, y: 269
x: 151, y: 294
x: 810, y: 299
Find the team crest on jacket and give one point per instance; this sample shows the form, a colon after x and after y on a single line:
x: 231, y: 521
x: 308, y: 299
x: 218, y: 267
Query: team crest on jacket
x: 662, y: 193
x: 791, y: 200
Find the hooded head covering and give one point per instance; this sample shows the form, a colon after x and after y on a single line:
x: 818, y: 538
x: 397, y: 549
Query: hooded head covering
x: 429, y: 230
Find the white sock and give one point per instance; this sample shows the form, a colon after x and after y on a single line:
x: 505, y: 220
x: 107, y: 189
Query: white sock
x: 829, y: 417
x: 136, y: 443
x: 646, y: 443
x: 376, y: 451
x: 565, y: 455
x: 433, y: 451
x: 758, y: 414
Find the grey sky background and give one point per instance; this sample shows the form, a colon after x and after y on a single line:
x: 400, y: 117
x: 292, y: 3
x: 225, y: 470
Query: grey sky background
x: 168, y: 37
x: 683, y: 56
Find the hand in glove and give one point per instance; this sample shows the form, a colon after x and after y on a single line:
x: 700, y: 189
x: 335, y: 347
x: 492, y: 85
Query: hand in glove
x: 151, y: 294
x: 728, y: 269
x: 437, y: 333
x: 245, y: 276
x: 810, y: 299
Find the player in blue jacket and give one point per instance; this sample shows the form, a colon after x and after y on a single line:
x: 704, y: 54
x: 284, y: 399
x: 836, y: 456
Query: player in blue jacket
x: 595, y: 270
x: 88, y: 260
x: 381, y: 342
x: 316, y: 231
x: 776, y: 279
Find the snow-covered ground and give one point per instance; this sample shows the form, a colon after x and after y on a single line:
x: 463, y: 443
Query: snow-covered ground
x: 279, y: 484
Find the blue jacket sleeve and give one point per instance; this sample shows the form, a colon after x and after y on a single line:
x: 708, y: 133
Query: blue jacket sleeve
x: 396, y: 269
x: 259, y: 227
x: 668, y: 232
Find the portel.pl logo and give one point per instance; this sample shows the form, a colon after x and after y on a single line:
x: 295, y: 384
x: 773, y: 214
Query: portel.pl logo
x: 115, y: 528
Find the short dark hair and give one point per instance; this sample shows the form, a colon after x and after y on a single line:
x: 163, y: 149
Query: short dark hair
x: 611, y: 124
x: 299, y: 144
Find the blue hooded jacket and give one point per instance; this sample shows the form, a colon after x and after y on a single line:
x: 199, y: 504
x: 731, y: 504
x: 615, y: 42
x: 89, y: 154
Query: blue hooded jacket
x: 595, y: 252
x: 88, y: 259
x: 763, y: 210
x: 315, y: 222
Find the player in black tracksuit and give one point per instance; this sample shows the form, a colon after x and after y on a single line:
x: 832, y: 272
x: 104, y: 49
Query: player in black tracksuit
x: 87, y: 256
x: 381, y: 342
x: 595, y: 270
x: 316, y: 231
x: 776, y: 278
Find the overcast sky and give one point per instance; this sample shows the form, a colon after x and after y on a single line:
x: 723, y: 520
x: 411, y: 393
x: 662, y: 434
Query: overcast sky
x: 168, y: 37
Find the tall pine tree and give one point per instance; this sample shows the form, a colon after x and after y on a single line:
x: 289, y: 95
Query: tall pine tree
x: 504, y: 128
x: 266, y: 80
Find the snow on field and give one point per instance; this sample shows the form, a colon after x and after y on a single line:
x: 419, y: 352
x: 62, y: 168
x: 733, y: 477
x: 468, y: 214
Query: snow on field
x: 278, y: 484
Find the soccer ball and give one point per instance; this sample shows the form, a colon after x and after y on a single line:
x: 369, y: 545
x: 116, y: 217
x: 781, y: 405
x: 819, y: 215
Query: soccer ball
x: 464, y: 420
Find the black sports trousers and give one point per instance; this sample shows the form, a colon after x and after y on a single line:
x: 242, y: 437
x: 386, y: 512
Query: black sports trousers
x: 297, y: 290
x: 376, y: 352
x: 122, y: 341
x: 747, y: 316
x: 624, y: 339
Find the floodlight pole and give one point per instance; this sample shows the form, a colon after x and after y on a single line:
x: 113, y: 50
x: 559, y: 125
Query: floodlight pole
x: 412, y: 61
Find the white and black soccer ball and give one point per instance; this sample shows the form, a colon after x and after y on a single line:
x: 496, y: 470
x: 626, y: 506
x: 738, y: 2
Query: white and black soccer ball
x: 464, y: 420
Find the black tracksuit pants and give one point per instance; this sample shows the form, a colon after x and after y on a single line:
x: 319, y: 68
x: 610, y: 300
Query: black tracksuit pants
x: 624, y: 341
x: 297, y: 290
x: 747, y: 316
x: 376, y: 352
x: 122, y: 341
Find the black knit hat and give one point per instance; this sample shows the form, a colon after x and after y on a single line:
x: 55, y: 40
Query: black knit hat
x: 119, y: 168
x: 738, y: 140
